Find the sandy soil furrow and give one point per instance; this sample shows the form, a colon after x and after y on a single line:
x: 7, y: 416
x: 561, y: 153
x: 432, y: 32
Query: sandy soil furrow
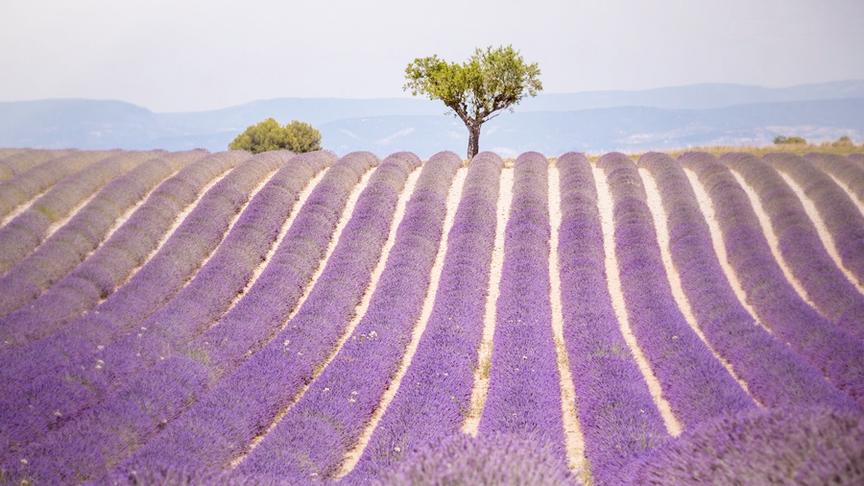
x: 453, y: 197
x: 484, y: 360
x: 360, y: 311
x: 343, y: 221
x: 131, y: 210
x: 822, y: 230
x: 178, y: 220
x: 707, y: 208
x: 254, y: 192
x: 274, y: 245
x: 574, y: 441
x: 22, y: 207
x: 771, y: 237
x: 56, y: 225
x: 605, y: 207
x: 658, y: 214
x: 849, y: 192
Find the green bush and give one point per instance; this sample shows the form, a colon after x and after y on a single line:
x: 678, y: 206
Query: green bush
x: 268, y: 135
x: 302, y: 137
x: 843, y: 141
x: 784, y: 140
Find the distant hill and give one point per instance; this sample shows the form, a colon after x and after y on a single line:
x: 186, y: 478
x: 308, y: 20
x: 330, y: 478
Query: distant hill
x: 590, y: 121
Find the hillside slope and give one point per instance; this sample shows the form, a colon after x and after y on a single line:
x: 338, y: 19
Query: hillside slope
x: 291, y: 319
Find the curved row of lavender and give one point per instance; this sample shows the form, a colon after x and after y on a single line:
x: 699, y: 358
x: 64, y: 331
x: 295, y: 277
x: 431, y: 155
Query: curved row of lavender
x: 524, y: 394
x: 16, y: 161
x: 774, y: 374
x: 151, y: 398
x: 834, y: 296
x: 33, y: 182
x: 201, y: 300
x: 841, y: 217
x: 435, y: 393
x: 115, y: 260
x: 261, y: 314
x: 28, y: 230
x: 96, y: 397
x: 835, y: 352
x: 312, y: 439
x: 845, y: 170
x: 38, y: 391
x: 221, y: 425
x: 692, y: 379
x: 617, y: 415
x: 204, y: 300
x: 86, y: 230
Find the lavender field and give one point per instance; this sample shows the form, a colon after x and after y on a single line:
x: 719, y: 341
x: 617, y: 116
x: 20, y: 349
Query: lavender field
x: 228, y: 318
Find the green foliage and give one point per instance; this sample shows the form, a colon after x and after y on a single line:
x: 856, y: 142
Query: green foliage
x: 269, y: 135
x: 843, y: 141
x: 784, y: 140
x: 491, y: 80
x: 302, y: 137
x: 261, y: 137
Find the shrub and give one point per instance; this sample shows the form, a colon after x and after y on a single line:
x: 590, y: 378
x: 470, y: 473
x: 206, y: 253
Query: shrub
x: 784, y: 140
x: 302, y: 137
x: 843, y: 141
x: 269, y: 135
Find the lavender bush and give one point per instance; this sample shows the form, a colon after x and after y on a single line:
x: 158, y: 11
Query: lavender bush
x: 311, y: 440
x: 836, y: 353
x: 692, y: 379
x: 496, y: 459
x: 524, y: 391
x: 113, y: 262
x: 33, y: 182
x: 84, y: 232
x: 775, y: 375
x: 778, y: 446
x: 834, y: 296
x: 846, y: 170
x: 244, y: 402
x: 34, y: 396
x: 16, y: 161
x: 22, y: 235
x: 225, y: 351
x: 839, y: 213
x: 167, y: 390
x: 617, y: 415
x: 435, y: 393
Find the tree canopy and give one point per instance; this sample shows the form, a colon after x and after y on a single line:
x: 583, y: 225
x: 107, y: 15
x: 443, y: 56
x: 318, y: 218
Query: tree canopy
x: 477, y: 90
x: 270, y: 135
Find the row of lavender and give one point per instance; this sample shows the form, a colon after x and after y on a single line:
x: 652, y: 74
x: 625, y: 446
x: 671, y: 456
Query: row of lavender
x: 119, y: 409
x: 15, y: 161
x: 320, y: 207
x: 35, y: 173
x: 80, y: 348
x: 27, y: 230
x: 86, y: 230
x: 112, y: 263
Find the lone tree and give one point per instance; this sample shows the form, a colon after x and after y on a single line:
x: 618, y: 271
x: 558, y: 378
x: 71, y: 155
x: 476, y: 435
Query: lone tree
x: 269, y: 135
x: 478, y: 89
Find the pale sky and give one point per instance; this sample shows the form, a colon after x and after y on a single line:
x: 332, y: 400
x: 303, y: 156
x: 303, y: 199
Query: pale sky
x: 176, y: 55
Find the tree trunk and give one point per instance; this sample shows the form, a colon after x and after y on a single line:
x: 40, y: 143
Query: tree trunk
x: 473, y: 140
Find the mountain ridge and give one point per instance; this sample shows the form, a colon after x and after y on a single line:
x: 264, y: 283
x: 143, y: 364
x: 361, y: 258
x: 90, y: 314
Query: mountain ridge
x: 591, y: 121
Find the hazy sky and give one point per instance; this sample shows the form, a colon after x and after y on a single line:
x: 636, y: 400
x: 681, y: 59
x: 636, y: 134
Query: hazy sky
x: 172, y: 55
